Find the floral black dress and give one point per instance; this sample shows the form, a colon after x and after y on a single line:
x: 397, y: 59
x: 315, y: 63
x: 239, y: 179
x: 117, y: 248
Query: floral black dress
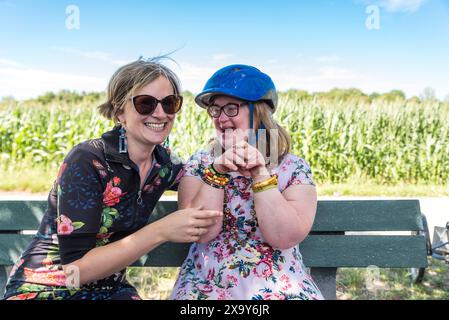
x: 95, y: 200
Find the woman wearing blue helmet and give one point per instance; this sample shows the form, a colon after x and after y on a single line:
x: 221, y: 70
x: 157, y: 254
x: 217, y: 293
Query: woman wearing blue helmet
x: 269, y: 206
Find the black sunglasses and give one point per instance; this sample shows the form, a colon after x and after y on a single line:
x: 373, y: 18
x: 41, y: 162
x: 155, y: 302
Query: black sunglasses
x: 146, y: 104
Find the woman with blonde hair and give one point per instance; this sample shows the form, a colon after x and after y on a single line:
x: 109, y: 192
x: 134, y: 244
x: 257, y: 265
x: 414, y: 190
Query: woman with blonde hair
x: 96, y: 222
x: 267, y: 196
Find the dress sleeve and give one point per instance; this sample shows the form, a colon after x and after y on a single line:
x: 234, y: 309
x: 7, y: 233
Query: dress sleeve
x: 196, y: 164
x: 294, y: 171
x: 79, y: 207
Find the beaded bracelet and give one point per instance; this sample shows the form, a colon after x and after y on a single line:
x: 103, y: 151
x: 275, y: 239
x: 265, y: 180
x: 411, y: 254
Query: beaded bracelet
x: 215, y: 179
x: 267, y: 184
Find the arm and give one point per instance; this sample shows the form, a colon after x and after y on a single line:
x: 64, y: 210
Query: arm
x: 81, y: 201
x: 104, y: 261
x: 285, y: 219
x: 194, y: 193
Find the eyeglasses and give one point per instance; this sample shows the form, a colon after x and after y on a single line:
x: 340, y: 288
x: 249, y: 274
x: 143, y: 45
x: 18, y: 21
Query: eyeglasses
x: 231, y: 110
x: 146, y: 104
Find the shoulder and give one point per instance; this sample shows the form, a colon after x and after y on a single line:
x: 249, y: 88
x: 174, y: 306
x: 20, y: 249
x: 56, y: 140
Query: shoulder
x: 201, y: 157
x: 87, y: 155
x: 294, y: 170
x: 293, y: 162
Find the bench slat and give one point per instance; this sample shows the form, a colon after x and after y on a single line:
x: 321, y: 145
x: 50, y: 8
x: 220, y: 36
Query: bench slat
x: 332, y: 216
x: 328, y: 251
x: 12, y: 246
x: 368, y: 215
x: 317, y: 250
x: 21, y: 215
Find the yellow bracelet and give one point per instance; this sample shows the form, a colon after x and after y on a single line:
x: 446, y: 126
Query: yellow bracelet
x: 262, y: 186
x: 268, y: 187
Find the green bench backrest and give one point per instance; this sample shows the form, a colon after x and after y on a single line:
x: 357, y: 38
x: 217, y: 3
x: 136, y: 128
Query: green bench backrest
x: 326, y: 246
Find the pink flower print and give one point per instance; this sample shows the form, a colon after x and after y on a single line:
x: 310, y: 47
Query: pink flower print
x: 45, y: 276
x: 222, y: 294
x: 112, y: 194
x: 279, y: 296
x: 204, y: 288
x: 64, y: 225
x: 116, y: 181
x: 180, y: 174
x: 263, y: 269
x: 231, y: 280
x: 266, y: 296
x: 211, y: 274
x: 24, y: 296
x: 16, y: 266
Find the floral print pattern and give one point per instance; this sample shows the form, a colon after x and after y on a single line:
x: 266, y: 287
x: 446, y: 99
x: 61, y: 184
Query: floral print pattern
x: 92, y: 203
x: 239, y: 264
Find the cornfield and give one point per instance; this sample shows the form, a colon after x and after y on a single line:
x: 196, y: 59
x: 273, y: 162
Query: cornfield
x: 385, y: 142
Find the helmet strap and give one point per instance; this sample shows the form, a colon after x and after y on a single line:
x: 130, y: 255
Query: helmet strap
x: 252, y: 138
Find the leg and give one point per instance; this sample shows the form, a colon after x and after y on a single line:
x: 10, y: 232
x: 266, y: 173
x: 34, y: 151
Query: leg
x: 325, y: 279
x: 4, y: 272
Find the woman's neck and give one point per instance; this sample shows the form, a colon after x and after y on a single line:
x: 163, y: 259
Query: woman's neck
x: 141, y: 155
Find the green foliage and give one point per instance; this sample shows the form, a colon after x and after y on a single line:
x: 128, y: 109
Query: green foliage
x: 344, y: 138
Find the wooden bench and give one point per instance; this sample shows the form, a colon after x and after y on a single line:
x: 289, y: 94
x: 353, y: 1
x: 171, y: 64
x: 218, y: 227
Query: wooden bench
x: 328, y: 247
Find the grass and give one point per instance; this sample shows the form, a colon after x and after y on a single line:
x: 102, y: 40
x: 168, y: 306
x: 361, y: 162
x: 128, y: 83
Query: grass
x: 393, y: 284
x: 371, y: 189
x: 352, y: 283
x: 39, y: 180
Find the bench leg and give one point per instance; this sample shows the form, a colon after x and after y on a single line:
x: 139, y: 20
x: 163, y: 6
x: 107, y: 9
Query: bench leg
x: 325, y: 279
x: 4, y: 272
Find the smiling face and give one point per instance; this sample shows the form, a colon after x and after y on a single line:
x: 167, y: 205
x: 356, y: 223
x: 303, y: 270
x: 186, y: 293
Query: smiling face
x: 230, y: 130
x: 148, y: 130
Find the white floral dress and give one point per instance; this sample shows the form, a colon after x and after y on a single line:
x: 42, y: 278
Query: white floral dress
x: 238, y: 263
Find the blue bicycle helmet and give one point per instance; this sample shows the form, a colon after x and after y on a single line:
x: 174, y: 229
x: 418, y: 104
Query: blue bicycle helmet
x: 242, y: 82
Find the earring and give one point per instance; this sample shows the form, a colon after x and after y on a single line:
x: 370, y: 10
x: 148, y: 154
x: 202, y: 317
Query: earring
x: 166, y: 143
x: 122, y: 141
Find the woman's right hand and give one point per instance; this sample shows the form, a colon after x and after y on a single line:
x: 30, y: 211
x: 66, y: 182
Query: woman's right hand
x: 233, y: 159
x: 187, y: 225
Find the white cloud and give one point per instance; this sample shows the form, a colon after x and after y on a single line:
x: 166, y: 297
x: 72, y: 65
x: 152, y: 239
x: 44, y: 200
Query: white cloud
x: 221, y: 57
x: 94, y: 55
x: 327, y: 59
x: 397, y: 5
x: 193, y: 77
x: 10, y: 63
x: 23, y: 82
x: 402, y: 5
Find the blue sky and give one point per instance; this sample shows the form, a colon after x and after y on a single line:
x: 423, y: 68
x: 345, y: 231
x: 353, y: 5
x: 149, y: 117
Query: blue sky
x: 313, y: 45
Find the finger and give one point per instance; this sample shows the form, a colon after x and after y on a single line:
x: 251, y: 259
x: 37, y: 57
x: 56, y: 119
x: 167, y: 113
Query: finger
x: 236, y: 154
x: 242, y: 153
x: 203, y: 223
x: 204, y: 214
x: 234, y: 159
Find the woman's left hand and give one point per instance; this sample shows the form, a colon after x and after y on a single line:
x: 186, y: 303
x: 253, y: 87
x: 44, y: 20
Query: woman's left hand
x: 254, y: 161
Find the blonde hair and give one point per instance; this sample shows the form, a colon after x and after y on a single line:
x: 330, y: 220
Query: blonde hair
x: 131, y: 77
x: 263, y: 115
